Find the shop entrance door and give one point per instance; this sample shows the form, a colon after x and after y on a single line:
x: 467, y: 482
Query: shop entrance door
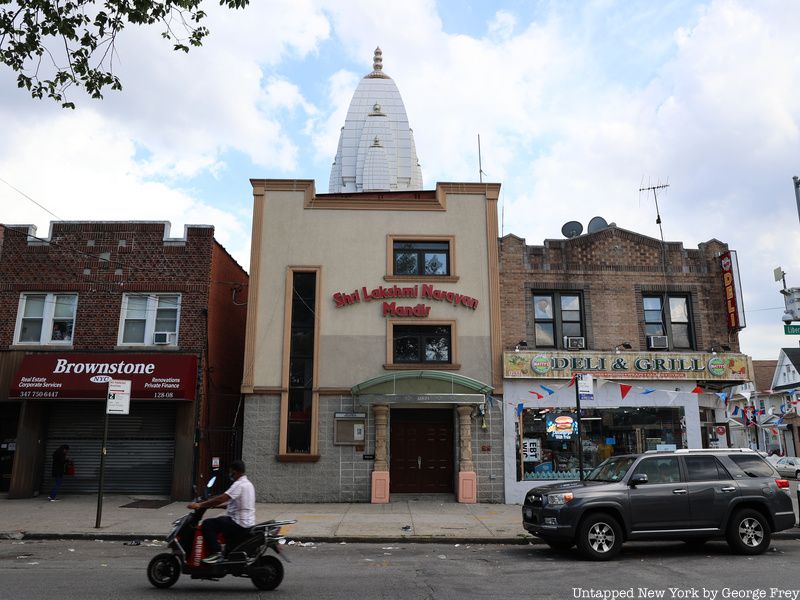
x: 421, y: 460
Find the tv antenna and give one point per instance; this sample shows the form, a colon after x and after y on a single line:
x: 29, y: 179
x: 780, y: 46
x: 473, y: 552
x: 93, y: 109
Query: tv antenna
x: 480, y: 166
x: 654, y: 189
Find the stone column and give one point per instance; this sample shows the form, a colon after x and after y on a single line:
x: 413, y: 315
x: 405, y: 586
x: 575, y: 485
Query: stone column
x: 380, y: 471
x: 467, y: 478
x: 381, y: 414
x: 465, y: 438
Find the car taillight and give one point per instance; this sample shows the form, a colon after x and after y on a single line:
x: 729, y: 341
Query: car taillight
x: 782, y: 483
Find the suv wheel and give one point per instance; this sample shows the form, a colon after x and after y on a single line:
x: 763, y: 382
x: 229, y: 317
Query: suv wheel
x: 599, y: 537
x: 748, y: 532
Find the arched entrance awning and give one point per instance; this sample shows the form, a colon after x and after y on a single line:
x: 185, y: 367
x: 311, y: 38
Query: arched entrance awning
x: 422, y: 386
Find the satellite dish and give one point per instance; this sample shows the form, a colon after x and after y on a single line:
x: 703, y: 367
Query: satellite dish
x: 597, y: 224
x: 572, y: 229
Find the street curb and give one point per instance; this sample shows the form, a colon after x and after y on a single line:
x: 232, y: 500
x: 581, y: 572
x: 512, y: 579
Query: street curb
x: 406, y: 539
x: 352, y: 539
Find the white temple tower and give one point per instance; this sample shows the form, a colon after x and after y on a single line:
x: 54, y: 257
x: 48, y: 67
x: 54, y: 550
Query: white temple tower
x: 376, y: 146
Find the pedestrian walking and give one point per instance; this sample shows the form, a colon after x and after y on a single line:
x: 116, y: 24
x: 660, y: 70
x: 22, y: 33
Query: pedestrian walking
x: 61, y: 461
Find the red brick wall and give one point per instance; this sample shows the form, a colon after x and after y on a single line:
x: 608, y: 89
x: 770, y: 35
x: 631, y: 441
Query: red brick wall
x: 227, y: 316
x: 612, y: 269
x: 146, y: 263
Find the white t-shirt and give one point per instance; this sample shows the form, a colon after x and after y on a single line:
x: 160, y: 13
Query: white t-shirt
x: 242, y: 503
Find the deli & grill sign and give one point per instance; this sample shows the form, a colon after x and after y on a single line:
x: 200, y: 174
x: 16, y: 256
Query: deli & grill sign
x: 54, y: 376
x: 734, y: 305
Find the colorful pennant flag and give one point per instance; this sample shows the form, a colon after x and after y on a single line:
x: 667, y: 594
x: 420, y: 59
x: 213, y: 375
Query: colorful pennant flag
x: 548, y: 390
x: 648, y: 391
x: 697, y: 390
x: 537, y: 394
x: 520, y: 408
x: 624, y: 389
x: 735, y: 411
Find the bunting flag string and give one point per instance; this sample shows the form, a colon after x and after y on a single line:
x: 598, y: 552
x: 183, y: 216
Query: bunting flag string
x: 627, y: 389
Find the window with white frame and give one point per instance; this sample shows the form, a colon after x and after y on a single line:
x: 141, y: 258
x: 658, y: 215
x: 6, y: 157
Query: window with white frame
x: 46, y: 318
x: 149, y: 319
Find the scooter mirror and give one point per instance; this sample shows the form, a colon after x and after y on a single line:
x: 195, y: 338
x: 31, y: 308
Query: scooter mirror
x: 211, y: 482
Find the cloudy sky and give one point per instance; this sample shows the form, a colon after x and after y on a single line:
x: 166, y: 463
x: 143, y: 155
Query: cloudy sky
x: 577, y: 105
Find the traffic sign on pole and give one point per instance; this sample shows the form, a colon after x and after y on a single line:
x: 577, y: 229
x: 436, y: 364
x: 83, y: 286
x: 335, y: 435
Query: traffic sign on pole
x: 791, y: 329
x: 119, y: 397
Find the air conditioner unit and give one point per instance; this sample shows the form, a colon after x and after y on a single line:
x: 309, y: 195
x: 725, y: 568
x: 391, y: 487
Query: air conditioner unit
x: 657, y: 342
x: 574, y: 343
x: 162, y: 337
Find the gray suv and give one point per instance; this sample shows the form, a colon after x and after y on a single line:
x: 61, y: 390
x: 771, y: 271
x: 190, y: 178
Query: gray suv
x: 689, y: 495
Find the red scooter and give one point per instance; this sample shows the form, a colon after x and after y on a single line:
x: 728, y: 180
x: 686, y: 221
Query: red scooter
x: 244, y: 557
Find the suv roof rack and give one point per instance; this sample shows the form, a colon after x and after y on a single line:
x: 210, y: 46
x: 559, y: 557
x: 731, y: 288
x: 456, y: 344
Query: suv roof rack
x: 688, y: 450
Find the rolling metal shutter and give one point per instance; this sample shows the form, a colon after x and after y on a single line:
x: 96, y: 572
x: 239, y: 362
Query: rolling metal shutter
x: 141, y: 447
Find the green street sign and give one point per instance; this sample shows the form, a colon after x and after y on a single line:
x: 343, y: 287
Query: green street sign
x: 791, y: 329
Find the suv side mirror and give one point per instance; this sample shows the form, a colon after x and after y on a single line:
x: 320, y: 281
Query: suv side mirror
x: 637, y: 479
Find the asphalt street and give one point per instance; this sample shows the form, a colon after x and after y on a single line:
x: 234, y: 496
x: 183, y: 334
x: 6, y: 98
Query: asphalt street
x: 70, y: 570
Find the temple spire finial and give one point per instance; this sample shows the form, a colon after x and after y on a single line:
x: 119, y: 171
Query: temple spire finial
x: 377, y: 60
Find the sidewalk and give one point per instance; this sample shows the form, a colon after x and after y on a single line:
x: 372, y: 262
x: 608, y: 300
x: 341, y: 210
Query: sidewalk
x: 423, y: 520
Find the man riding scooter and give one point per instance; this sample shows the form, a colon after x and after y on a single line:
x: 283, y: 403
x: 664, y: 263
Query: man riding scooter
x: 240, y: 514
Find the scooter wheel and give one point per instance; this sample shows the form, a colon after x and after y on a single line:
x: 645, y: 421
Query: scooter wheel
x: 267, y: 573
x: 164, y: 570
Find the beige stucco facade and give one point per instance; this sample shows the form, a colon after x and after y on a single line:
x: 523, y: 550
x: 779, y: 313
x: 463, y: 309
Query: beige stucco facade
x: 350, y: 248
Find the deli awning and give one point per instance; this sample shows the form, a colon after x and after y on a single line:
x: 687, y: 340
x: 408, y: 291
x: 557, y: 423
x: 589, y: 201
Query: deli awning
x: 53, y: 376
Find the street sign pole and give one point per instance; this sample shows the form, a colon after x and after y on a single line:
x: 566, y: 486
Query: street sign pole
x: 580, y: 427
x: 102, y: 470
x: 118, y: 403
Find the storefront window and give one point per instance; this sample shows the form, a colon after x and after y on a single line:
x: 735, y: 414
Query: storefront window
x: 547, y: 441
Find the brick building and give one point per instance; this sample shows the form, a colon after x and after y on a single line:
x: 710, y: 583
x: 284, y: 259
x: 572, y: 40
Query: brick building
x: 121, y: 300
x: 651, y: 322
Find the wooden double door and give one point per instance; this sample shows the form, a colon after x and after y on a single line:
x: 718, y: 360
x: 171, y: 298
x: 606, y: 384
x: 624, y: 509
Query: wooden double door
x: 421, y: 451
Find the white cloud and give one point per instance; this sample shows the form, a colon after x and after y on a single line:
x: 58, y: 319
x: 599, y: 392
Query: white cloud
x: 503, y: 24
